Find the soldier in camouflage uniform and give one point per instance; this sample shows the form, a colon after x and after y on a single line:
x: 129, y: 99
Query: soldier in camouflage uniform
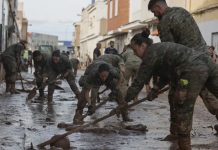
x: 60, y: 65
x: 117, y: 62
x: 114, y: 60
x: 97, y: 74
x: 177, y: 25
x: 39, y: 61
x: 187, y: 71
x: 75, y: 65
x: 11, y: 62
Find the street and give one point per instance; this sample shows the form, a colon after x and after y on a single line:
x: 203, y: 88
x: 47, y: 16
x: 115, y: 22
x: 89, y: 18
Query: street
x: 30, y: 123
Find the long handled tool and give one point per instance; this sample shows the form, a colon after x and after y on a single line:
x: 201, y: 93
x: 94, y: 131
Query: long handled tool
x: 32, y: 93
x: 77, y: 129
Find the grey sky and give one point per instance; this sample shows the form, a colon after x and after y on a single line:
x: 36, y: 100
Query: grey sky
x: 54, y: 16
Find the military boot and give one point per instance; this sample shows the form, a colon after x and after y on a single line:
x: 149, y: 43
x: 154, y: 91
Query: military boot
x: 78, y: 118
x: 173, y: 133
x: 13, y: 89
x: 41, y: 95
x: 50, y: 98
x: 8, y: 87
x: 91, y: 110
x: 184, y: 143
x: 125, y: 116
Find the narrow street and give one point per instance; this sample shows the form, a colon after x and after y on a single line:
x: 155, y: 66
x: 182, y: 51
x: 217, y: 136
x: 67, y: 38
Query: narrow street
x: 23, y: 123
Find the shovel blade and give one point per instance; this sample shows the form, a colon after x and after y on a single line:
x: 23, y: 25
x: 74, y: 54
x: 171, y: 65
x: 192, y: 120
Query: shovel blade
x: 31, y: 94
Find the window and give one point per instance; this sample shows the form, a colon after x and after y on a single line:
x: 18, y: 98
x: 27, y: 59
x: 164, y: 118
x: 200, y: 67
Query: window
x: 116, y: 7
x: 111, y: 9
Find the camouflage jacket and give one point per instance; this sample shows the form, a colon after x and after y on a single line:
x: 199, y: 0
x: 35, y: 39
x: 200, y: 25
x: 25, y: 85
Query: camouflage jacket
x: 62, y: 67
x: 91, y: 77
x: 40, y: 65
x: 130, y: 58
x: 167, y: 60
x: 14, y: 51
x: 112, y: 59
x: 177, y: 25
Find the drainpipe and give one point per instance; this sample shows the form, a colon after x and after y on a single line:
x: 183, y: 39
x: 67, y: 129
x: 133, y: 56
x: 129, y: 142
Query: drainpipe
x: 3, y: 28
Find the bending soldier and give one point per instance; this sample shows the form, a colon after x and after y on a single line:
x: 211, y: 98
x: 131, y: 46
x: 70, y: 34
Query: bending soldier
x: 60, y: 65
x: 188, y: 72
x: 177, y: 25
x: 98, y: 74
x: 39, y: 61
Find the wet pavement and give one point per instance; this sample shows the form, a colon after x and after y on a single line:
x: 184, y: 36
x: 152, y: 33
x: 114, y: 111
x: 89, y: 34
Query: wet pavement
x: 24, y: 123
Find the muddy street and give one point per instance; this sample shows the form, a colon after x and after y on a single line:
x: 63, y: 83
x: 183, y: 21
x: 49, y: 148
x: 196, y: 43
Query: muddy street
x: 29, y: 123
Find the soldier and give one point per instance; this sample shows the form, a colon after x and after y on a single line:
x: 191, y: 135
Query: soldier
x: 114, y: 60
x: 60, y: 65
x: 117, y: 62
x: 177, y: 25
x: 188, y: 72
x: 39, y: 61
x: 97, y: 52
x: 75, y: 64
x: 11, y: 62
x: 111, y: 49
x: 97, y: 74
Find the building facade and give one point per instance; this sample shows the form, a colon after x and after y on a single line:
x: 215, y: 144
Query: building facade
x: 92, y: 27
x: 37, y: 39
x: 205, y: 13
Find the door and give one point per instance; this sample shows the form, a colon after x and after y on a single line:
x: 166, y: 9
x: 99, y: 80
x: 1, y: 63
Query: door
x: 215, y: 41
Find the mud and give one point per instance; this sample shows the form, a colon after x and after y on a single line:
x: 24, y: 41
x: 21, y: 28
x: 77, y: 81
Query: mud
x: 24, y: 123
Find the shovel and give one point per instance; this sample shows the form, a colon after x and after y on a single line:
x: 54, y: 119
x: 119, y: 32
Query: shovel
x: 77, y: 129
x: 33, y: 92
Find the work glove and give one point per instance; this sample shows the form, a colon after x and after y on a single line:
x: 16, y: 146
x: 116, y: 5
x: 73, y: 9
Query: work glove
x: 152, y: 94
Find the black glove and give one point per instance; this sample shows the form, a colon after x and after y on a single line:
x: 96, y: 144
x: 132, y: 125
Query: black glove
x: 152, y: 94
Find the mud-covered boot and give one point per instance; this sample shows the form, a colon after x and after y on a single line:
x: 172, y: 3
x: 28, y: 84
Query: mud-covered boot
x: 125, y: 117
x: 173, y: 133
x: 41, y: 96
x: 91, y: 110
x: 78, y: 118
x: 8, y: 87
x: 13, y: 89
x: 50, y: 98
x: 184, y: 143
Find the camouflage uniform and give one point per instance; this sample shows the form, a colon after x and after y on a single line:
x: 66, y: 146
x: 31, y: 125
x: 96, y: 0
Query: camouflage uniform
x: 115, y: 61
x: 132, y: 63
x: 11, y: 62
x: 91, y: 80
x: 177, y: 25
x: 39, y: 71
x: 112, y: 59
x: 75, y: 65
x: 188, y: 72
x: 64, y: 66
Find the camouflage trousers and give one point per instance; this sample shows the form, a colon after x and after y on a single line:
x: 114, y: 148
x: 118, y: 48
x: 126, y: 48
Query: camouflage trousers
x: 130, y: 72
x: 10, y: 66
x: 182, y: 98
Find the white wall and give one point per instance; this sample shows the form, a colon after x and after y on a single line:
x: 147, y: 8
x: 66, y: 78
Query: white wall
x: 207, y: 28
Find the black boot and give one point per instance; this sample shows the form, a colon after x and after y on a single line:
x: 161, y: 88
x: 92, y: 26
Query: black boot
x: 8, y: 87
x: 184, y: 143
x: 91, y: 110
x: 173, y: 133
x: 78, y: 118
x: 13, y: 89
